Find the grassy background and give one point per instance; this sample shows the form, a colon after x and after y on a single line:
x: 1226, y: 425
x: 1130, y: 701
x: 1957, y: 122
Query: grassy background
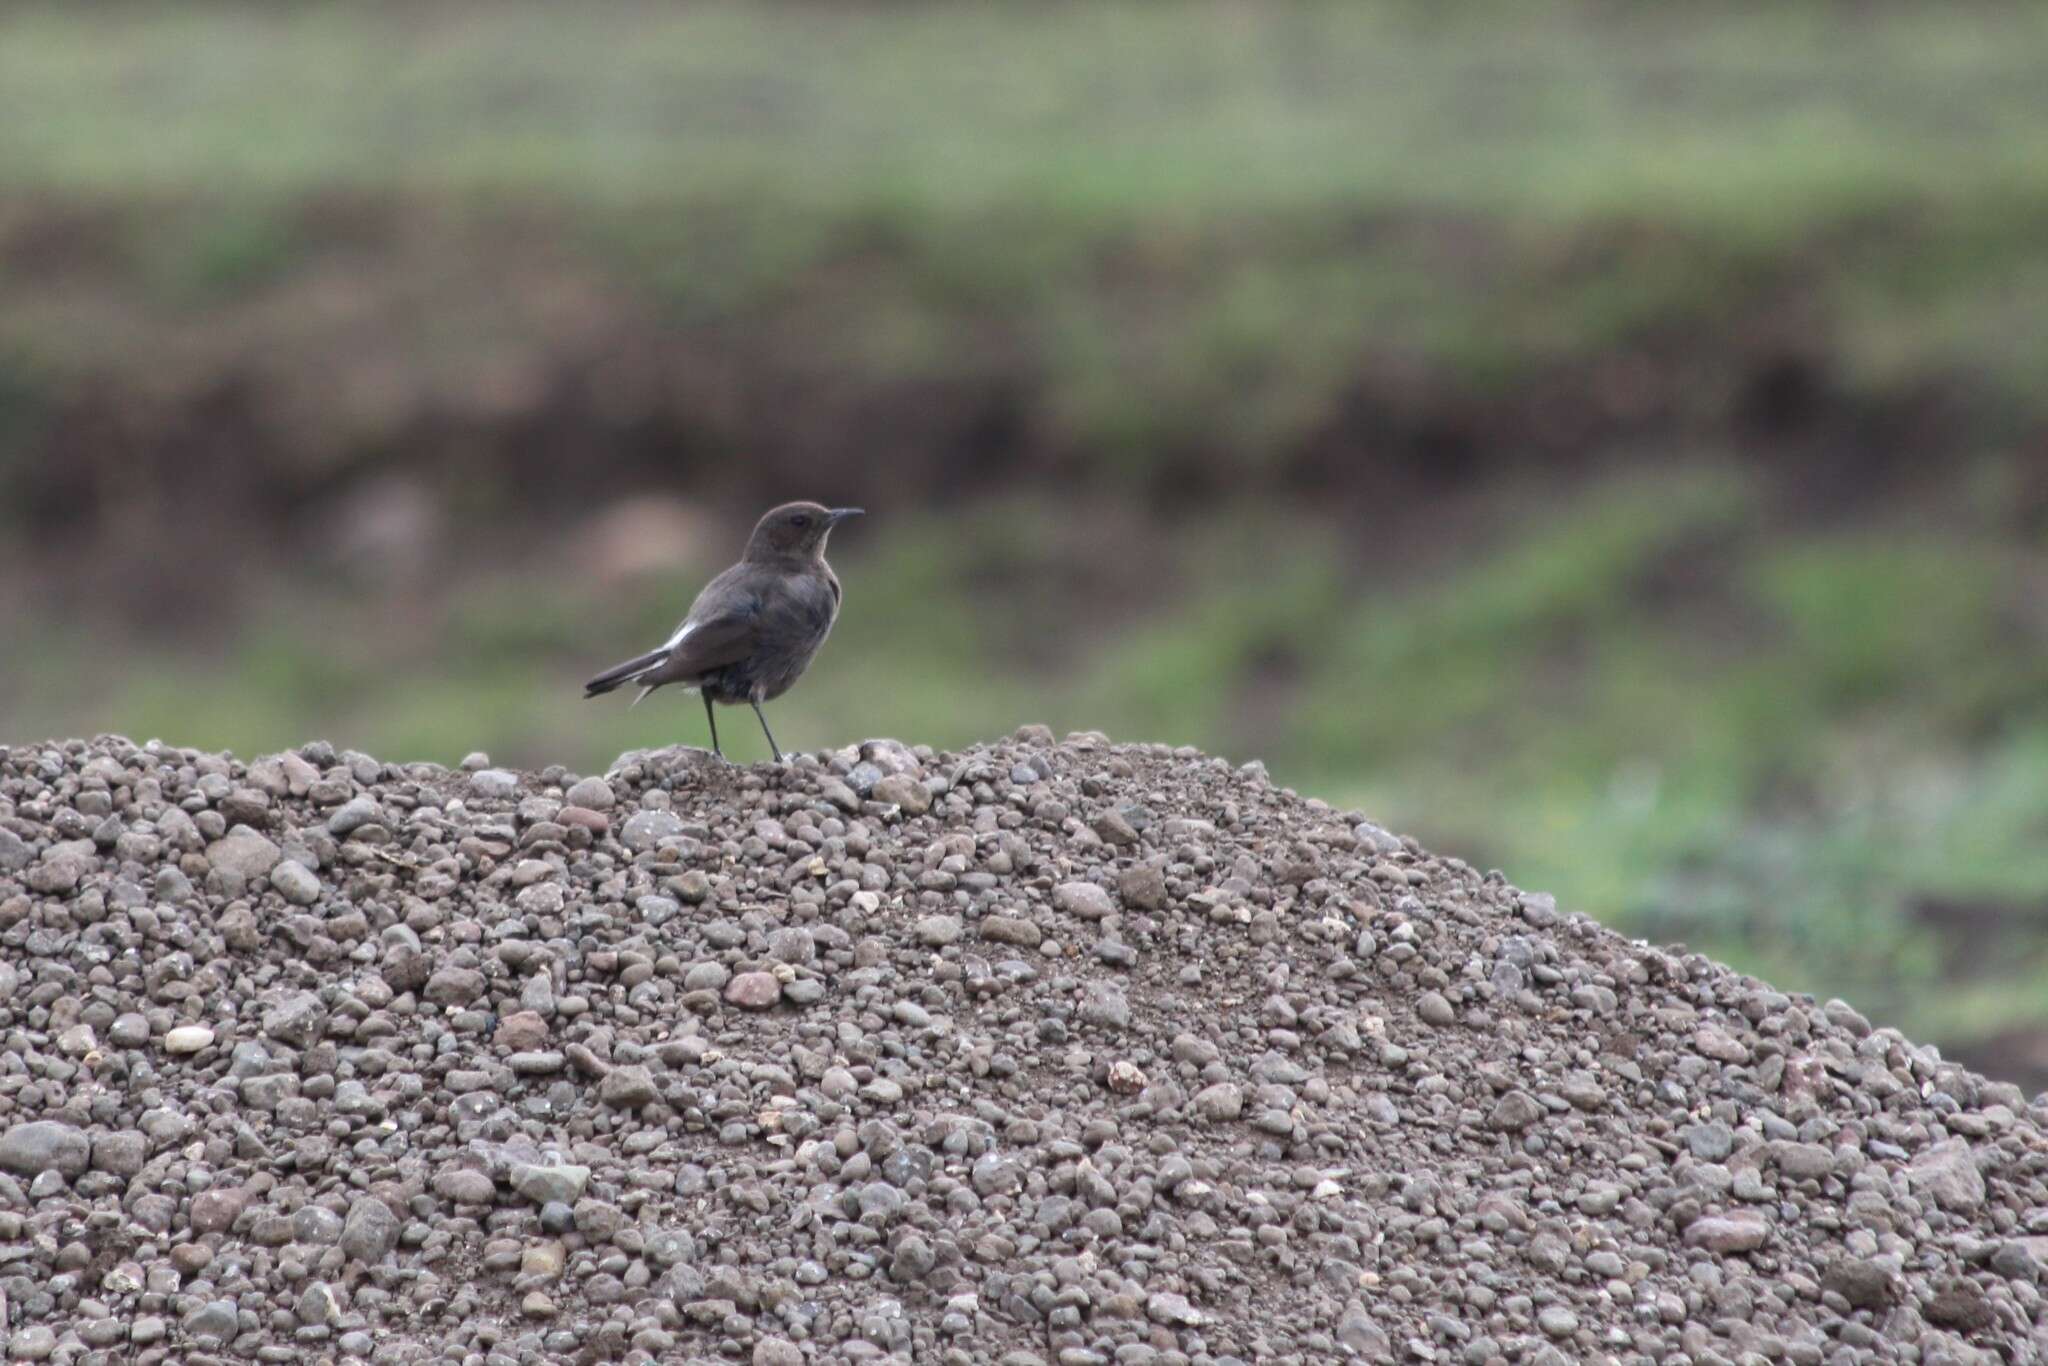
x: 1608, y: 444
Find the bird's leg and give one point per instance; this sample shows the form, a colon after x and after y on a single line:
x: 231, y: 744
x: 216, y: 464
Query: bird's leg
x: 767, y: 732
x: 712, y: 721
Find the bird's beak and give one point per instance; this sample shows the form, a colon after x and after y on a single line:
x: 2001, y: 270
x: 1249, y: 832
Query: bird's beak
x: 838, y: 515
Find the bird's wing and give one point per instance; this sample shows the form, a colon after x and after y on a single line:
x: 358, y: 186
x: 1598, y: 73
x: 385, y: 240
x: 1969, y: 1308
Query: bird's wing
x: 721, y: 629
x: 704, y: 643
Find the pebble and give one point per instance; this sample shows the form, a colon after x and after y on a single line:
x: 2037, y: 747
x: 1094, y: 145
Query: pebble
x: 903, y: 791
x: 1083, y: 899
x: 352, y: 815
x: 754, y: 990
x: 33, y: 1344
x: 646, y: 829
x: 241, y: 857
x: 1947, y: 1174
x: 1711, y: 1142
x: 592, y: 794
x: 45, y: 1145
x: 563, y: 1182
x: 1727, y: 1233
x: 215, y: 1321
x: 1863, y: 1283
x: 370, y: 1230
x: 494, y: 784
x: 188, y: 1039
x: 938, y: 930
x: 294, y: 883
x: 1514, y: 1111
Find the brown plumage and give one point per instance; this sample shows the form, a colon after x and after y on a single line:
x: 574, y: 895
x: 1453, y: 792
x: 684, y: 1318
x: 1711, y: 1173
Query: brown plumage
x: 753, y: 630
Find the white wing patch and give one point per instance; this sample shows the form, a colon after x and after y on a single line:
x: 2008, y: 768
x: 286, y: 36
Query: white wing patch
x: 681, y: 631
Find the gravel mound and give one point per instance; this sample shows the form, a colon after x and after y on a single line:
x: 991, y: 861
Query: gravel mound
x: 1039, y: 1052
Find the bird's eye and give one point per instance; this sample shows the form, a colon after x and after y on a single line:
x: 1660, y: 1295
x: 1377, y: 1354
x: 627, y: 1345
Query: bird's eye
x: 800, y: 520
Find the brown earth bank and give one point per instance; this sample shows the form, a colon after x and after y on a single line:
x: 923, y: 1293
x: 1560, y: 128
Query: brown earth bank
x: 1038, y: 1051
x: 521, y: 364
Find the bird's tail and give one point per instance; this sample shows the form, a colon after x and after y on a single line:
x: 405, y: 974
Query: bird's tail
x: 620, y: 674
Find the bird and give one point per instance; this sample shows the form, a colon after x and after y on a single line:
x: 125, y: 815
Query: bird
x: 754, y: 629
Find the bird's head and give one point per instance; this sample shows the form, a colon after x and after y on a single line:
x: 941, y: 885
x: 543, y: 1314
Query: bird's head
x: 795, y: 531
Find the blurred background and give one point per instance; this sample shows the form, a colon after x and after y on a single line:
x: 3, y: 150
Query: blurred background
x: 1608, y: 441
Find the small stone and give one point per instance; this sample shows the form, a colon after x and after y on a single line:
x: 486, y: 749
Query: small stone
x: 120, y: 1152
x: 1083, y: 899
x: 465, y: 1186
x: 1721, y: 1046
x: 543, y: 1259
x: 1558, y: 1321
x: 1727, y: 1233
x: 45, y: 1145
x: 1010, y: 929
x: 913, y: 1259
x: 1958, y: 1303
x: 777, y: 1352
x: 352, y: 815
x: 1172, y: 1310
x: 215, y: 1321
x: 1947, y: 1173
x: 938, y: 930
x: 645, y: 829
x: 316, y: 1225
x: 34, y: 1343
x: 294, y: 883
x: 1142, y: 887
x: 753, y: 990
x: 1113, y: 828
x: 521, y: 1032
x: 494, y: 784
x: 317, y: 1304
x: 1103, y: 1005
x: 1435, y: 1010
x: 1803, y: 1161
x: 2014, y: 1260
x: 592, y: 794
x: 1364, y: 1338
x: 188, y: 1039
x: 543, y: 1185
x: 1864, y: 1284
x: 1219, y: 1103
x: 298, y: 1020
x: 629, y: 1088
x: 1126, y: 1078
x: 370, y: 1231
x: 453, y: 986
x: 215, y: 1209
x: 1513, y: 1112
x: 902, y: 790
x: 1710, y: 1142
x: 241, y: 857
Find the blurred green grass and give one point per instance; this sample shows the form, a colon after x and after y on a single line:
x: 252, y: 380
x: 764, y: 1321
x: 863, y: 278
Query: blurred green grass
x: 1758, y: 114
